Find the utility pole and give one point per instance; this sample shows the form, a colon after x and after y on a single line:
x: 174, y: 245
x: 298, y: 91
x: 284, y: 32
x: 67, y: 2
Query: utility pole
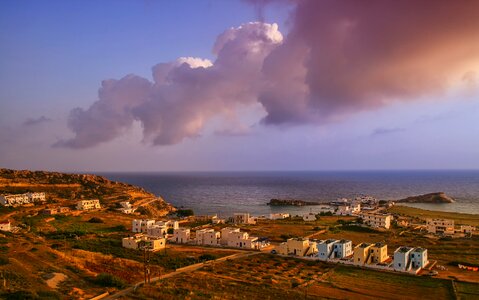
x: 146, y: 260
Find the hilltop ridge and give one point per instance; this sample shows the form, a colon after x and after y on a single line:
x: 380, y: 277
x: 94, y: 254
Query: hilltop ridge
x: 67, y: 187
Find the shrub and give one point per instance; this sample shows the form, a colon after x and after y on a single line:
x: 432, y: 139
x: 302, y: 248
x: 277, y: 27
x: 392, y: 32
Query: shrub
x: 4, y: 261
x: 95, y: 220
x: 205, y: 257
x: 185, y: 213
x: 170, y: 231
x: 19, y: 295
x: 49, y: 295
x: 109, y: 280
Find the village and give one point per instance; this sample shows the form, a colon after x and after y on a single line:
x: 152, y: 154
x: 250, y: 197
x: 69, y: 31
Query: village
x: 330, y: 242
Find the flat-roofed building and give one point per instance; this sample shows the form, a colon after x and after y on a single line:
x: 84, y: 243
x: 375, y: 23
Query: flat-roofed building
x: 207, y: 237
x: 5, y: 226
x: 22, y: 199
x: 225, y: 234
x: 138, y: 241
x: 342, y: 249
x: 297, y: 247
x: 440, y: 226
x: 141, y: 225
x: 325, y: 249
x: 419, y: 258
x: 309, y: 217
x: 278, y: 216
x: 378, y: 253
x: 88, y: 204
x: 376, y: 220
x: 181, y: 235
x: 361, y: 253
x: 157, y: 230
x: 402, y: 261
x: 243, y: 218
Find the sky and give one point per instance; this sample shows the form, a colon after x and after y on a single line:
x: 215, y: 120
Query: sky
x: 239, y: 85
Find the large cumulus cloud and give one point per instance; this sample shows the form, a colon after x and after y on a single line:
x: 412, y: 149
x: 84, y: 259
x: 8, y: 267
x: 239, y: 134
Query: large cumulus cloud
x: 340, y: 57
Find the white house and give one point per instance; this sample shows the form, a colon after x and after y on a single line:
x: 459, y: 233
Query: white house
x: 225, y: 234
x: 5, y: 226
x: 21, y: 199
x: 278, y: 216
x: 126, y: 207
x: 342, y: 249
x: 325, y: 249
x: 88, y: 204
x: 418, y: 258
x: 297, y: 247
x: 140, y: 240
x: 310, y: 217
x: 156, y: 230
x: 466, y: 229
x: 402, y: 260
x: 243, y: 218
x: 141, y: 225
x: 181, y: 235
x: 440, y: 226
x: 207, y: 237
x: 376, y: 220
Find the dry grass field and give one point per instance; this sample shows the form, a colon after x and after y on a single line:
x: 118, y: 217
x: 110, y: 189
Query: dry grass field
x: 274, y: 277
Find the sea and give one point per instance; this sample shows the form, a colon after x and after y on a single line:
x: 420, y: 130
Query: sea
x: 224, y: 193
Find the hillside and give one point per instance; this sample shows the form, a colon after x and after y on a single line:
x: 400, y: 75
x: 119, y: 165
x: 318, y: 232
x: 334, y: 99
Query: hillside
x: 65, y: 188
x: 439, y: 197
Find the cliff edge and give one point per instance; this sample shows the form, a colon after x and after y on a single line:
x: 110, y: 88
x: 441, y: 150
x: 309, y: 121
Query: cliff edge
x: 439, y: 197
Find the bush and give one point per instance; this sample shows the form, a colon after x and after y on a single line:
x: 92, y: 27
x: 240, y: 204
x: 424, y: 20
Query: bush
x: 4, y: 261
x: 206, y: 257
x: 185, y: 213
x: 95, y: 220
x: 327, y: 213
x: 109, y: 280
x: 49, y: 295
x: 19, y: 295
x: 170, y: 231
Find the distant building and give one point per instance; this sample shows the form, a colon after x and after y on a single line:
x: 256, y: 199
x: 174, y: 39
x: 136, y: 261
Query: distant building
x: 309, y: 217
x: 141, y: 225
x: 181, y: 235
x: 138, y: 241
x: 157, y: 230
x: 376, y: 220
x: 243, y: 218
x: 207, y: 237
x: 88, y: 204
x: 126, y: 207
x: 56, y: 210
x: 440, y: 226
x: 5, y: 226
x: 466, y: 229
x: 22, y: 199
x: 348, y: 209
x: 278, y: 216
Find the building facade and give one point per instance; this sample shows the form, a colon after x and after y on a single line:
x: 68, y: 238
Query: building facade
x: 361, y: 253
x: 22, y: 199
x: 138, y: 241
x: 376, y: 220
x: 207, y: 237
x: 181, y: 235
x: 440, y: 226
x: 88, y: 204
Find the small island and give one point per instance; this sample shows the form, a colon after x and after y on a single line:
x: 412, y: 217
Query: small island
x: 439, y: 197
x: 290, y: 202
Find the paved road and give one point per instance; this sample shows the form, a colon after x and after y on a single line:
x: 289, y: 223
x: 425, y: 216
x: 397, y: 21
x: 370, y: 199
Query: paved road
x: 189, y: 268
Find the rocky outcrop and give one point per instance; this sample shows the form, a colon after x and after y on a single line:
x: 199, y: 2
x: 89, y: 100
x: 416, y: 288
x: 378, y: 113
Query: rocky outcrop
x: 67, y: 188
x: 439, y: 197
x: 290, y: 202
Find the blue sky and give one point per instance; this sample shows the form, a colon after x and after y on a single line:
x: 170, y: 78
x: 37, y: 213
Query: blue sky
x: 55, y: 54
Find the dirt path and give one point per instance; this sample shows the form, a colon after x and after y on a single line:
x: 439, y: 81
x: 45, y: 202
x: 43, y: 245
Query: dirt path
x: 190, y: 268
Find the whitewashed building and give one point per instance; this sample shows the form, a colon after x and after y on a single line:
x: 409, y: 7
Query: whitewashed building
x: 278, y: 216
x: 5, y: 226
x: 297, y: 247
x: 309, y: 217
x: 157, y: 230
x: 126, y: 207
x: 181, y: 235
x: 419, y: 258
x: 243, y: 218
x: 207, y: 237
x: 138, y: 241
x: 440, y: 226
x: 342, y: 249
x: 325, y: 249
x: 141, y: 225
x: 88, y: 204
x: 402, y: 260
x: 466, y: 229
x: 22, y: 199
x: 376, y: 220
